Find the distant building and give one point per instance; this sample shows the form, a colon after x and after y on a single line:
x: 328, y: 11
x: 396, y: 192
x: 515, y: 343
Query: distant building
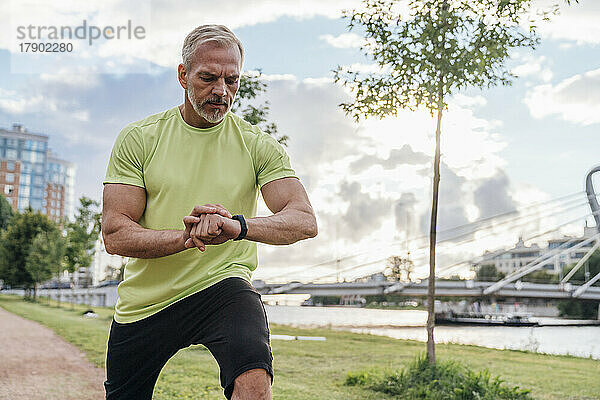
x: 507, y: 261
x: 569, y: 257
x: 60, y: 182
x: 30, y: 175
x: 105, y: 266
x: 376, y: 277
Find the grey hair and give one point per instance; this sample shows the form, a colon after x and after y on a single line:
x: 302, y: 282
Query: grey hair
x: 209, y: 33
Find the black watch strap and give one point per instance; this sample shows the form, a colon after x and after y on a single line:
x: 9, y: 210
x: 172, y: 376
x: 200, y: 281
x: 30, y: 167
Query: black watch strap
x: 244, y: 230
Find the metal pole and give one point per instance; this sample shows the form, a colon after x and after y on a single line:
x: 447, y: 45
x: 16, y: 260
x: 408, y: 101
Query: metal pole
x: 585, y: 287
x: 580, y: 263
x: 589, y: 188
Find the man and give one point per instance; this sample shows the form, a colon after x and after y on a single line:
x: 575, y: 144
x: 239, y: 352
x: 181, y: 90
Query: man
x: 187, y: 281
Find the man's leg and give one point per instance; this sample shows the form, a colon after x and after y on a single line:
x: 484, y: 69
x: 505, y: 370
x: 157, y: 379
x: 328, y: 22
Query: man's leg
x: 136, y: 354
x: 234, y: 328
x: 253, y: 385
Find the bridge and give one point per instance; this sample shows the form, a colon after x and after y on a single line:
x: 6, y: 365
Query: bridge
x: 442, y: 288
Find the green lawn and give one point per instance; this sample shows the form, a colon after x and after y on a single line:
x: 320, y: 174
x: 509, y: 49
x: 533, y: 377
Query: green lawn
x: 306, y: 370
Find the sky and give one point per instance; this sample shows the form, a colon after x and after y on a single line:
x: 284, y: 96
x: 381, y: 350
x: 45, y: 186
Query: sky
x: 503, y: 149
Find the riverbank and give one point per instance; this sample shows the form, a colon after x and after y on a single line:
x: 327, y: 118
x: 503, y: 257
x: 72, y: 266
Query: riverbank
x: 316, y: 370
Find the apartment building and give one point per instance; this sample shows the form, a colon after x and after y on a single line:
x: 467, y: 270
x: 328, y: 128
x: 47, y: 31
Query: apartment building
x: 31, y: 175
x: 558, y: 253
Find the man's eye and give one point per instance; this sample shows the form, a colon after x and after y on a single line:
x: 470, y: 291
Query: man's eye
x: 231, y: 81
x: 206, y: 79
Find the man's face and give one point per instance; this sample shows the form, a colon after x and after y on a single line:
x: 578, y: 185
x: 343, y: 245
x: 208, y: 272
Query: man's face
x: 213, y: 80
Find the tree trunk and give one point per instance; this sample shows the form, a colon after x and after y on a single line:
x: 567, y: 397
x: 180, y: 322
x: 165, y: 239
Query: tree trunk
x: 432, y: 242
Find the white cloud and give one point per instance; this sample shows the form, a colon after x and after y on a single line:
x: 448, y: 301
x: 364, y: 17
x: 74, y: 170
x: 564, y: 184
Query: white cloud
x: 577, y: 23
x: 278, y: 77
x: 12, y: 102
x: 459, y: 126
x: 575, y: 99
x: 344, y: 41
x: 323, y: 81
x: 469, y: 101
x: 534, y: 67
x: 367, y: 68
x: 79, y: 80
x: 81, y: 115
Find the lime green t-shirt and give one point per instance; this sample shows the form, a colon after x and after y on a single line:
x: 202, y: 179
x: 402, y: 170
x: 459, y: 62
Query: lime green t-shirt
x: 181, y: 166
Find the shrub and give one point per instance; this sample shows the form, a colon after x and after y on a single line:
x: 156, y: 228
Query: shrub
x: 446, y: 380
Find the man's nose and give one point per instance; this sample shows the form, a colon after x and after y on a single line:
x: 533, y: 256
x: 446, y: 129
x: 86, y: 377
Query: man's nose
x: 220, y: 88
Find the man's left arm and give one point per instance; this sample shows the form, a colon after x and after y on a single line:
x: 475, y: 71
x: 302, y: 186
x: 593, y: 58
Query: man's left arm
x: 293, y: 218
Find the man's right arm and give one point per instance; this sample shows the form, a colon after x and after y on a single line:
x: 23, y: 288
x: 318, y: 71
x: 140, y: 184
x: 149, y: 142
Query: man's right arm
x: 122, y: 207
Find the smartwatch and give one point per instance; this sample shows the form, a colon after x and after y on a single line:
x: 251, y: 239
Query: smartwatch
x: 244, y: 230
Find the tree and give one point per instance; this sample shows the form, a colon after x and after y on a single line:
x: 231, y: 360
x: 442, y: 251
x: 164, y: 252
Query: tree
x: 45, y: 255
x: 16, y: 246
x: 250, y: 87
x: 592, y: 267
x: 82, y: 234
x: 488, y: 273
x: 400, y: 268
x: 578, y: 308
x: 6, y: 213
x: 437, y: 49
x: 540, y: 276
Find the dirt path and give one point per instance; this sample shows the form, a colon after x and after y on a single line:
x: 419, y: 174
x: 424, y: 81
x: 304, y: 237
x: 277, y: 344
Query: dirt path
x: 35, y: 364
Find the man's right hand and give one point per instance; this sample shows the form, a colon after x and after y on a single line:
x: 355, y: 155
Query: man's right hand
x: 214, y: 229
x: 194, y: 217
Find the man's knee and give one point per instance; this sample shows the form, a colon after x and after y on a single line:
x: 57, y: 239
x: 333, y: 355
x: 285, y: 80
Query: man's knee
x: 254, y: 384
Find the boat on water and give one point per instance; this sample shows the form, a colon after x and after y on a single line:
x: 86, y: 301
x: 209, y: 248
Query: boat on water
x: 486, y: 319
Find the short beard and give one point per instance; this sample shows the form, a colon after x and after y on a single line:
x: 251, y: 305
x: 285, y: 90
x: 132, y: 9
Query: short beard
x: 214, y: 117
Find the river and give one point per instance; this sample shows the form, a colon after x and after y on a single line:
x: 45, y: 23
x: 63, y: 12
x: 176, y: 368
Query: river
x: 577, y: 341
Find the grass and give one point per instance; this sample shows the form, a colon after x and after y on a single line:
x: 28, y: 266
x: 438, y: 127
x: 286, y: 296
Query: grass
x: 308, y: 370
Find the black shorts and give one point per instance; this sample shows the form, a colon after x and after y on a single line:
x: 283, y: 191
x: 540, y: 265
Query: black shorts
x: 227, y: 317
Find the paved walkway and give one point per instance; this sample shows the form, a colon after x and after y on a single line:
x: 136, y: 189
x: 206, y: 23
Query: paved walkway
x: 36, y: 364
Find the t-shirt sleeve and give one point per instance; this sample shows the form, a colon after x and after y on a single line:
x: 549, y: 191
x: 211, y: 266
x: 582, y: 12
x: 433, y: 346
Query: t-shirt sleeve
x: 271, y: 162
x: 126, y: 159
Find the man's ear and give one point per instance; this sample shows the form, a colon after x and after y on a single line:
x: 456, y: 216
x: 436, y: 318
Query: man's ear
x: 182, y: 76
